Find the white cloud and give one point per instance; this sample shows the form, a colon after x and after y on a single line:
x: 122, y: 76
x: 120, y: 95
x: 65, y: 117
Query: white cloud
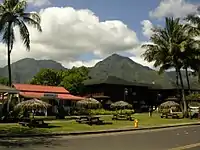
x: 140, y: 60
x: 69, y: 33
x: 147, y: 28
x: 39, y: 3
x: 89, y: 63
x: 136, y: 55
x: 175, y: 8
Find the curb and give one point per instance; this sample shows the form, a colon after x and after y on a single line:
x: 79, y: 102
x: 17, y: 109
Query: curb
x: 100, y: 131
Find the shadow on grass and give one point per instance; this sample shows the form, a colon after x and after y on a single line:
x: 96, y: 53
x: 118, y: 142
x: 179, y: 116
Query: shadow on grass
x: 107, y: 123
x: 49, y: 127
x: 25, y: 142
x: 103, y: 123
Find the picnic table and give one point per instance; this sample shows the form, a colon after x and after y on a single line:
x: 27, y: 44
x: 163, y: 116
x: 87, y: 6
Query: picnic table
x: 34, y: 123
x: 89, y: 120
x: 122, y: 117
x: 171, y: 114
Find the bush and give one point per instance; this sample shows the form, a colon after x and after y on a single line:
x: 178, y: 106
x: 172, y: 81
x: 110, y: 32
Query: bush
x: 109, y: 112
x: 194, y: 104
x: 193, y: 96
x: 101, y: 112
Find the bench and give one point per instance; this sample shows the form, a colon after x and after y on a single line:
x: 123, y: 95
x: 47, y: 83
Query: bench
x: 34, y: 123
x: 122, y: 117
x: 90, y: 120
x: 175, y: 115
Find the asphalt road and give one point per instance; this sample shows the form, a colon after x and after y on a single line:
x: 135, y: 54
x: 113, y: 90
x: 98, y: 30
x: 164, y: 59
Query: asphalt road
x: 162, y: 139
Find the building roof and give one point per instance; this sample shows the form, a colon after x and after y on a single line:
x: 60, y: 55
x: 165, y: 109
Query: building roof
x: 7, y: 89
x: 41, y: 95
x: 113, y: 80
x: 40, y: 88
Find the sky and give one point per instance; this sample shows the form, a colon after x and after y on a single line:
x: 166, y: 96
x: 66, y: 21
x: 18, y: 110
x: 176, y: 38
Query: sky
x: 84, y: 32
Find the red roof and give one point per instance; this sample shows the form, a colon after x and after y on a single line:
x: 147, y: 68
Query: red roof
x: 40, y: 88
x: 60, y: 96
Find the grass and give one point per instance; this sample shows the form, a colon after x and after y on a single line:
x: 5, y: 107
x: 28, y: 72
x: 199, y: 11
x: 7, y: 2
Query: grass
x: 70, y: 125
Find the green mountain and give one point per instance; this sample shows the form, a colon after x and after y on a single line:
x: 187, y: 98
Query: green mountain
x: 24, y: 69
x: 127, y: 69
x: 115, y: 68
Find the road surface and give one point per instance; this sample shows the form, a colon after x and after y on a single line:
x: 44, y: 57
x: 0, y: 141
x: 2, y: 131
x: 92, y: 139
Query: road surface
x: 162, y: 139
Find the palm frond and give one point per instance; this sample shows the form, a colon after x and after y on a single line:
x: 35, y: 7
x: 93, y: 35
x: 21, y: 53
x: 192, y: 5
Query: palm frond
x: 20, y: 7
x: 10, y: 4
x: 24, y: 33
x: 3, y: 21
x: 32, y: 19
x: 2, y: 8
x: 8, y: 36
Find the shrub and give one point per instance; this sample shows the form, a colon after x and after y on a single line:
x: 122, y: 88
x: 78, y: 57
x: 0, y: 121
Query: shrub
x: 194, y: 104
x: 109, y: 112
x: 101, y: 112
x: 193, y: 96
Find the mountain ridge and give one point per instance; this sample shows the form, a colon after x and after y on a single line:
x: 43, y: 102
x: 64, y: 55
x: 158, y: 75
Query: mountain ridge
x: 114, y: 65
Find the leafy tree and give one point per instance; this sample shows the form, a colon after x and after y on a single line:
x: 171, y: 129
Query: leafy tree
x: 47, y: 77
x: 168, y: 45
x: 4, y: 80
x: 73, y: 79
x: 12, y: 13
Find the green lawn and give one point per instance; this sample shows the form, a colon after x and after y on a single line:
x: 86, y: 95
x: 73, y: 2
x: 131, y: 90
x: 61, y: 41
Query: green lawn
x: 71, y: 125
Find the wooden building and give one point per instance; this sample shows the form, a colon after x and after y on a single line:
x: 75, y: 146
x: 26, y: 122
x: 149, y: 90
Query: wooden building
x: 116, y: 89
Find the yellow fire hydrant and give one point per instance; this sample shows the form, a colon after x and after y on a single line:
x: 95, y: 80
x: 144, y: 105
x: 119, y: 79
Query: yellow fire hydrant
x: 136, y: 123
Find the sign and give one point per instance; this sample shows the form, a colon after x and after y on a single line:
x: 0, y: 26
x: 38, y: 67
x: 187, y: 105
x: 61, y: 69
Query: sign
x: 50, y: 95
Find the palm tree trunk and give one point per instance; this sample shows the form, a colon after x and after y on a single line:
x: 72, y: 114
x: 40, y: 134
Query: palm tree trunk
x: 8, y: 51
x: 183, y: 94
x: 188, y: 80
x: 9, y: 66
x: 177, y: 83
x: 198, y: 73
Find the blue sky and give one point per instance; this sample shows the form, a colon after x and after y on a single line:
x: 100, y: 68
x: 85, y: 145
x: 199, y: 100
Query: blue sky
x: 83, y: 32
x: 131, y: 12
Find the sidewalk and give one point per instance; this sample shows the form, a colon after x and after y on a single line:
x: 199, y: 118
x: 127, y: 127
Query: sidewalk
x: 103, y: 131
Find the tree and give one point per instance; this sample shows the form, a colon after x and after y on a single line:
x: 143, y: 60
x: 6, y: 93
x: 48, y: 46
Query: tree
x: 4, y: 80
x: 73, y: 79
x: 166, y: 49
x: 194, y: 30
x: 189, y: 55
x: 12, y: 13
x: 47, y: 77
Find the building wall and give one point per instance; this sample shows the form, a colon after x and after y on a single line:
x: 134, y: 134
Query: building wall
x: 138, y: 96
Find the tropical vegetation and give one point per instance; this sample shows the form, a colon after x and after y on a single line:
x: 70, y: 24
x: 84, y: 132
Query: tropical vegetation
x: 12, y: 14
x: 71, y: 79
x: 176, y: 46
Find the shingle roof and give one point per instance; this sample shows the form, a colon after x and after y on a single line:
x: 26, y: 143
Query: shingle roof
x: 116, y: 81
x: 7, y: 89
x: 40, y: 88
x: 41, y: 95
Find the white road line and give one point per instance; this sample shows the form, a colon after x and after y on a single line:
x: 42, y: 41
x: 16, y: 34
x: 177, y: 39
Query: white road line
x: 186, y: 147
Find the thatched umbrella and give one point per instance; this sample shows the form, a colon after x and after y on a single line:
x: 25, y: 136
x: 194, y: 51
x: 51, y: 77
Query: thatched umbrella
x: 194, y: 104
x: 88, y: 103
x: 169, y: 104
x: 121, y: 105
x: 108, y: 102
x: 33, y: 104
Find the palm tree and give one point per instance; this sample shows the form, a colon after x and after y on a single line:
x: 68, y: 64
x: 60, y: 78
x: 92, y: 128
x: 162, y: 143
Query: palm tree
x: 12, y: 13
x: 166, y: 49
x: 191, y: 52
x: 194, y: 30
